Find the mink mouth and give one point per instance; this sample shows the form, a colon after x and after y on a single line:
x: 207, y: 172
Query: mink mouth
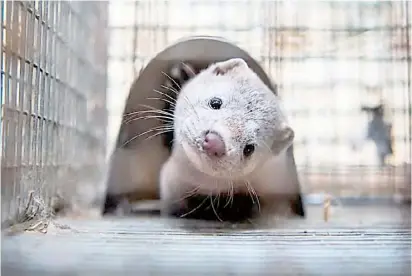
x: 202, y: 161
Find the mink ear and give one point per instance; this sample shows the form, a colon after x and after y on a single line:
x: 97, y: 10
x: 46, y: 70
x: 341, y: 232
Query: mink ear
x: 223, y: 67
x: 283, y: 138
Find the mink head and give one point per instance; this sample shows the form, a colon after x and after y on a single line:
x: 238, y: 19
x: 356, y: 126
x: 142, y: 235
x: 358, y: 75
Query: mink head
x: 228, y: 122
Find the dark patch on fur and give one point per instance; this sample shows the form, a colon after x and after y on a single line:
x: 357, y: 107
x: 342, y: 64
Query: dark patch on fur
x: 297, y: 206
x: 110, y: 204
x: 241, y: 209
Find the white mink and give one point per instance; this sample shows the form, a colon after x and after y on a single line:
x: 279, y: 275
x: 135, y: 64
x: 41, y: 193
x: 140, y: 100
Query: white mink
x: 230, y: 135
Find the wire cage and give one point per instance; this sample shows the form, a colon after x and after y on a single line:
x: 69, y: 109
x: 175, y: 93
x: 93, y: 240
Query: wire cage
x: 53, y: 105
x: 343, y: 71
x: 344, y: 78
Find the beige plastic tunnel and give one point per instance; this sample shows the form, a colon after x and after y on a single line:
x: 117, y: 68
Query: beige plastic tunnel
x: 133, y: 168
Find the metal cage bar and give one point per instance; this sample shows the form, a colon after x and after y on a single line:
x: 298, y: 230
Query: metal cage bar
x: 356, y: 58
x: 53, y: 72
x: 333, y: 61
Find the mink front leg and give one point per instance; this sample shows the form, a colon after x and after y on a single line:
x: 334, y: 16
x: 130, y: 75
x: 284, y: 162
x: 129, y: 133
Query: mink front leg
x: 172, y: 190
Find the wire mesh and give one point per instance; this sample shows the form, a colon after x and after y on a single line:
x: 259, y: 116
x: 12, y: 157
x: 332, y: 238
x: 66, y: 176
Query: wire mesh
x: 53, y: 72
x: 337, y: 64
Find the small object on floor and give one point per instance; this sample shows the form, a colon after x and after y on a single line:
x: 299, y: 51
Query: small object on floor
x: 326, y: 208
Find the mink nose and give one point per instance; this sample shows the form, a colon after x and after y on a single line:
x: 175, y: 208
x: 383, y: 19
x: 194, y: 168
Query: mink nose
x: 214, y: 145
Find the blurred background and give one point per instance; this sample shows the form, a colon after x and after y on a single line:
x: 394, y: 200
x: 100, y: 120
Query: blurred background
x: 343, y: 70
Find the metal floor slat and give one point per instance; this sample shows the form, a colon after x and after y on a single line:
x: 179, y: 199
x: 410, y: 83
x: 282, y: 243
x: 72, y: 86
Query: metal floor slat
x: 153, y: 246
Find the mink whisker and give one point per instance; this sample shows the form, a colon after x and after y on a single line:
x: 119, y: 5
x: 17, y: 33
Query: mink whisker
x: 164, y: 100
x: 170, y: 78
x: 165, y: 129
x: 158, y: 117
x: 214, y: 210
x: 165, y: 94
x: 194, y: 209
x: 253, y: 194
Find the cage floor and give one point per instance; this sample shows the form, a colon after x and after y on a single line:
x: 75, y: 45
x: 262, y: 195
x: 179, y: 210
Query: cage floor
x: 367, y: 240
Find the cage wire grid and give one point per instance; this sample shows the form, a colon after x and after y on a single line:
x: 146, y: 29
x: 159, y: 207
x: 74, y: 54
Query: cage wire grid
x: 356, y: 55
x: 327, y: 68
x: 54, y: 115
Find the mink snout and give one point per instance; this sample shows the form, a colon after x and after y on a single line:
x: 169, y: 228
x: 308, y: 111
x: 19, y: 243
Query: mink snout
x: 213, y: 144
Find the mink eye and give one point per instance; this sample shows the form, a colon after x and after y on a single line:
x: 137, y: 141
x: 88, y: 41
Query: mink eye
x: 215, y: 103
x: 248, y: 150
